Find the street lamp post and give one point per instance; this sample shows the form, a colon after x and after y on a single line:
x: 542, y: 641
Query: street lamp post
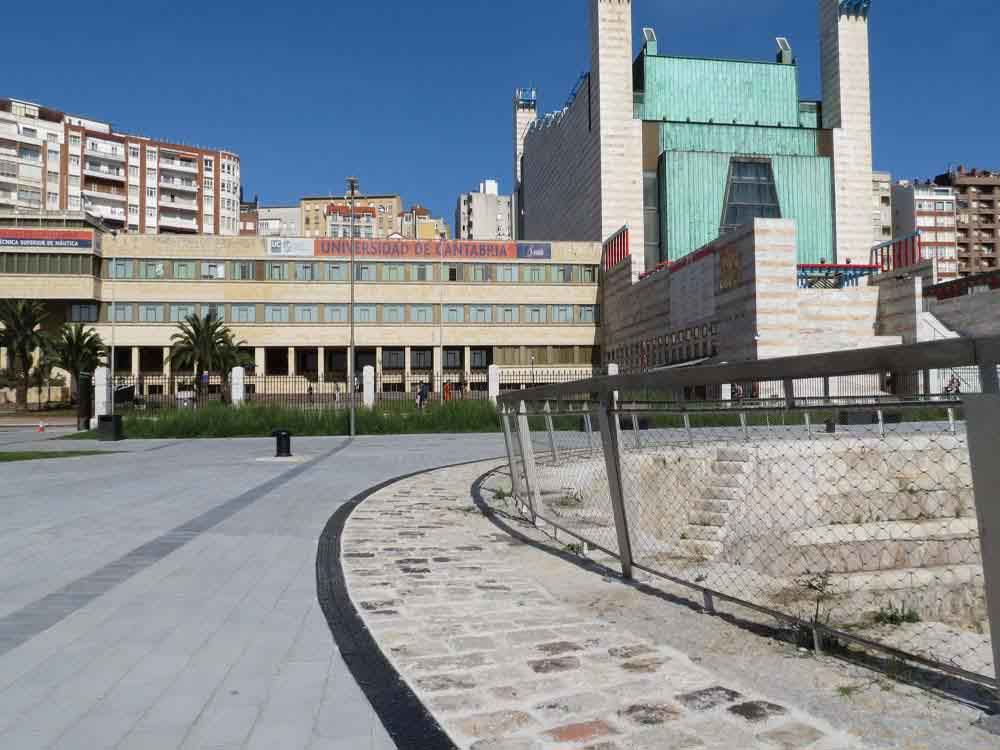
x: 352, y: 190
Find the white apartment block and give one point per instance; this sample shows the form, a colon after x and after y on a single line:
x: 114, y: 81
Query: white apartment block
x: 278, y: 221
x: 484, y: 215
x: 932, y: 211
x: 53, y: 161
x: 881, y: 207
x: 338, y: 222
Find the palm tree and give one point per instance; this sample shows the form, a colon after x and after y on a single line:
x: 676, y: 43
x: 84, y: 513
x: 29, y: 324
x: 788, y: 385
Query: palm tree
x: 205, y: 345
x: 21, y: 335
x: 78, y: 349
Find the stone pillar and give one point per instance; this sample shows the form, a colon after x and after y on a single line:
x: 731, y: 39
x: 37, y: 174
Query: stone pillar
x: 166, y: 361
x: 438, y: 367
x: 467, y: 366
x: 407, y: 364
x: 102, y: 392
x: 368, y: 376
x: 378, y: 366
x: 321, y: 364
x: 493, y: 376
x: 291, y: 361
x: 237, y: 379
x: 135, y: 361
x: 260, y: 361
x: 3, y: 359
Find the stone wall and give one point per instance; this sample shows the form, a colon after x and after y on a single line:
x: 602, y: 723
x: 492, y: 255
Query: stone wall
x: 971, y: 315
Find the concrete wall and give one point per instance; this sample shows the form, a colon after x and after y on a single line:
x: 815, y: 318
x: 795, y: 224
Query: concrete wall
x: 969, y: 315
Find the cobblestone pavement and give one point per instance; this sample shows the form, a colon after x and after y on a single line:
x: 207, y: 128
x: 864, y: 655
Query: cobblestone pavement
x: 505, y: 665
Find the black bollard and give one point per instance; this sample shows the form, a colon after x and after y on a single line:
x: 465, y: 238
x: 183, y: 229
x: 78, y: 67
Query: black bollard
x: 283, y: 443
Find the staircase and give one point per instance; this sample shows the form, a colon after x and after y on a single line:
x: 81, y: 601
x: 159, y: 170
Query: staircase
x: 722, y: 495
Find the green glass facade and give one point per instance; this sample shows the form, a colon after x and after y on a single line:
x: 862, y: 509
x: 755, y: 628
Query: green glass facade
x: 710, y: 112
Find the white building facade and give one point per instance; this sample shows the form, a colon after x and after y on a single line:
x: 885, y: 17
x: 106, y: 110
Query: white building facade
x: 484, y: 215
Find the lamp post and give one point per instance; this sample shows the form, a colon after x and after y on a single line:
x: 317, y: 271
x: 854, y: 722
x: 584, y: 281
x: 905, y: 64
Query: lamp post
x: 114, y: 319
x: 352, y: 190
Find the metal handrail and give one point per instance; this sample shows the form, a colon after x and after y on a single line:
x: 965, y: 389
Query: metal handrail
x: 933, y: 355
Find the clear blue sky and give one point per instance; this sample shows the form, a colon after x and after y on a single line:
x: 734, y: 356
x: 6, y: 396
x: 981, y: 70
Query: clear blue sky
x: 414, y: 98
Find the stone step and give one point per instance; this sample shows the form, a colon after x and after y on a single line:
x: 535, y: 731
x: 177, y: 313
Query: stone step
x: 887, y: 547
x: 732, y: 454
x: 729, y: 481
x: 715, y: 491
x: 723, y: 468
x: 705, y: 518
x: 714, y: 505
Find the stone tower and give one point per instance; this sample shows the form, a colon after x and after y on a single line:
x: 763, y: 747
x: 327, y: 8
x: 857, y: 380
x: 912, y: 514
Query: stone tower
x: 525, y: 113
x: 619, y: 133
x: 846, y: 77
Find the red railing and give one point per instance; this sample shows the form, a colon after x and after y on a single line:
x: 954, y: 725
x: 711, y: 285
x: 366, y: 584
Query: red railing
x: 902, y: 252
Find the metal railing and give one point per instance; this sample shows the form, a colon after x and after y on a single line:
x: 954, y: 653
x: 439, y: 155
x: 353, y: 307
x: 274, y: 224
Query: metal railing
x: 837, y: 493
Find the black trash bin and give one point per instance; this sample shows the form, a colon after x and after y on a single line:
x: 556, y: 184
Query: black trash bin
x: 283, y: 443
x: 109, y: 428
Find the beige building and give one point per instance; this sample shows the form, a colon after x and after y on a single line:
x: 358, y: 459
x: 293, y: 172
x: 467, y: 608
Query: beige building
x: 313, y: 212
x: 484, y: 215
x: 418, y: 224
x: 54, y: 161
x: 422, y: 308
x: 930, y: 210
x: 881, y: 207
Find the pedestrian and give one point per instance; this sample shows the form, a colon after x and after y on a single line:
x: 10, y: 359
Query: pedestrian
x: 422, y: 395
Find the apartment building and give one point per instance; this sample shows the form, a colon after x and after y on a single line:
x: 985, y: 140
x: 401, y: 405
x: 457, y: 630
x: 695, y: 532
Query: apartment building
x: 53, y: 161
x: 882, y: 206
x: 484, y: 215
x: 418, y: 224
x: 420, y: 307
x: 278, y: 221
x: 978, y: 192
x: 930, y: 210
x: 313, y: 216
x: 339, y: 222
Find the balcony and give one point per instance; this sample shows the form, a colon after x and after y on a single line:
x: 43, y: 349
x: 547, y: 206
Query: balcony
x: 103, y: 193
x: 7, y: 197
x: 105, y: 152
x: 108, y: 213
x: 183, y: 204
x: 179, y: 165
x: 100, y: 170
x: 174, y: 221
x: 178, y: 184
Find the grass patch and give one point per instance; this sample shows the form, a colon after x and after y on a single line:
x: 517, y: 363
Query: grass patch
x: 260, y: 421
x: 892, y: 615
x: 43, y: 455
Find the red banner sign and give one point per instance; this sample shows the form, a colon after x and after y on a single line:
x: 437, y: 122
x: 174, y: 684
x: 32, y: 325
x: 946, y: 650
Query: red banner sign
x: 49, y: 238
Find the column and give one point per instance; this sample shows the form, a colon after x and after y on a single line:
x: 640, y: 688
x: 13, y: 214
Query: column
x: 135, y: 361
x: 260, y: 361
x: 237, y: 385
x: 438, y: 367
x: 379, y: 385
x: 368, y: 381
x: 467, y: 366
x: 166, y: 361
x: 493, y: 383
x: 407, y: 364
x: 321, y: 364
x: 291, y: 361
x: 5, y: 366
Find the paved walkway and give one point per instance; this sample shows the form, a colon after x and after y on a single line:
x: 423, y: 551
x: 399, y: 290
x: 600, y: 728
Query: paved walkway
x: 512, y: 648
x: 165, y: 597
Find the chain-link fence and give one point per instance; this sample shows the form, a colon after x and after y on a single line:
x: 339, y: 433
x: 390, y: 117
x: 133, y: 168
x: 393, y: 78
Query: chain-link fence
x: 833, y: 503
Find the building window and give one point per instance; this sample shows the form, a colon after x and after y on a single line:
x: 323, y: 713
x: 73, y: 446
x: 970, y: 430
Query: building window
x: 480, y: 273
x: 562, y: 313
x: 564, y: 274
x: 242, y: 270
x: 452, y: 359
x: 365, y: 314
x: 74, y: 140
x: 422, y: 314
x: 209, y: 184
x: 152, y: 269
x: 480, y: 314
x: 480, y: 359
x: 536, y: 314
x: 454, y: 314
x: 423, y: 273
x: 306, y: 314
x: 244, y: 313
x: 180, y: 313
x: 212, y: 270
x: 277, y: 272
x: 276, y: 314
x: 336, y: 313
x: 393, y: 359
x: 454, y: 273
x: 133, y: 153
x: 336, y: 272
x: 750, y: 194
x: 364, y: 272
x: 535, y: 274
x: 588, y: 314
x: 121, y: 313
x: 83, y: 314
x: 214, y: 311
x: 150, y: 313
x: 421, y: 359
x: 506, y: 274
x: 392, y: 314
x: 508, y: 314
x: 304, y: 272
x: 120, y: 269
x: 394, y: 272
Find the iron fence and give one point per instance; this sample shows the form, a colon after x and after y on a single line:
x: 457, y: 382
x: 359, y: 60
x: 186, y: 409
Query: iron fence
x: 793, y: 489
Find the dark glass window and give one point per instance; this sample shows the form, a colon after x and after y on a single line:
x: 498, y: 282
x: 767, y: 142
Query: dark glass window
x: 750, y: 195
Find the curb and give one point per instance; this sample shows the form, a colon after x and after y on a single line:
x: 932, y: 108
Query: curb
x: 407, y: 721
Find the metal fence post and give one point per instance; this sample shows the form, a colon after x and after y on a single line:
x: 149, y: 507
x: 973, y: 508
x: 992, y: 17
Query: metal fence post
x: 743, y: 424
x: 809, y: 427
x: 635, y: 429
x: 951, y: 421
x: 532, y: 491
x: 881, y: 422
x: 515, y: 477
x: 612, y: 460
x: 687, y: 428
x: 983, y: 430
x: 551, y: 429
x: 789, y: 387
x: 588, y: 425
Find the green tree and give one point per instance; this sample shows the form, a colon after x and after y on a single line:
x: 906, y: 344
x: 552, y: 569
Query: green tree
x: 78, y: 349
x: 21, y: 335
x: 205, y: 345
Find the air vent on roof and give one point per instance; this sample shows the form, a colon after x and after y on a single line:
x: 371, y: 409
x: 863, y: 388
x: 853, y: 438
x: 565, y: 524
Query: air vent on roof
x: 650, y: 36
x: 785, y: 56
